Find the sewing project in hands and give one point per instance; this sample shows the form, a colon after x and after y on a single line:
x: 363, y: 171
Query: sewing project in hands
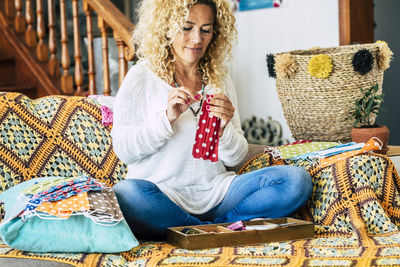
x: 207, y: 135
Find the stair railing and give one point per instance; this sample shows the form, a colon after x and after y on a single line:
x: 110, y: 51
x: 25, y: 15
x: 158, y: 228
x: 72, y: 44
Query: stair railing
x: 109, y: 17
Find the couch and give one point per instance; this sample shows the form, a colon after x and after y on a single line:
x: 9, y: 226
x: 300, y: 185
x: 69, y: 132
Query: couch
x: 355, y: 204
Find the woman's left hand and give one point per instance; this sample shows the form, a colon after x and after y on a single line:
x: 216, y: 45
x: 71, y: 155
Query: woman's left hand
x: 221, y: 107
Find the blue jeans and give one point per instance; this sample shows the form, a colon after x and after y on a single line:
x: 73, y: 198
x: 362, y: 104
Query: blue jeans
x: 271, y: 192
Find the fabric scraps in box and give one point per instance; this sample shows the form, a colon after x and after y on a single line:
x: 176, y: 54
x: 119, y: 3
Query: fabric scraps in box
x: 237, y: 226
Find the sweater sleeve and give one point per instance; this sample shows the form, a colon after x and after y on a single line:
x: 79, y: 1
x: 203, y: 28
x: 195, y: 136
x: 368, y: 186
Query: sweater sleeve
x: 232, y: 145
x: 138, y: 130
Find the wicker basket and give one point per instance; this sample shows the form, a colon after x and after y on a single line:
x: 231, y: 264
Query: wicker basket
x: 316, y: 108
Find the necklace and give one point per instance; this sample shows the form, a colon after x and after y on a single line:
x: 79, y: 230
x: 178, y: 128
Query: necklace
x: 201, y: 102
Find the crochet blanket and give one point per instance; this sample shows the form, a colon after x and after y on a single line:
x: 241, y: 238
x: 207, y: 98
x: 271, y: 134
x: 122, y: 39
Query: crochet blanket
x: 354, y: 204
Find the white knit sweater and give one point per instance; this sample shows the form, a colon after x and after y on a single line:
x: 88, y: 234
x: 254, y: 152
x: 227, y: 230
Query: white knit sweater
x: 160, y: 152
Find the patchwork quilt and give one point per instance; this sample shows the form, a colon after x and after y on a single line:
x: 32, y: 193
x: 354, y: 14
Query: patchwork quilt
x: 355, y: 204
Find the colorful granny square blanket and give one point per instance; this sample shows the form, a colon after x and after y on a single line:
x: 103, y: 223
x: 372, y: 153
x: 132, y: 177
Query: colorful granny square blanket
x: 355, y: 206
x: 55, y: 136
x: 355, y: 203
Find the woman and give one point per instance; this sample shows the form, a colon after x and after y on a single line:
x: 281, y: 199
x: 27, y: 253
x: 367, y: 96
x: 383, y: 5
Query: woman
x: 184, y: 47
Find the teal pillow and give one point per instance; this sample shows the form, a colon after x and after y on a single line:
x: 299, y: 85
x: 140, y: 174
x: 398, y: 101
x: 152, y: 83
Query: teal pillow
x: 75, y: 234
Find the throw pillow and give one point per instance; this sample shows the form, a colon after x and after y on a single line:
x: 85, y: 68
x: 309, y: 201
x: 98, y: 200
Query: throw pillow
x: 77, y: 233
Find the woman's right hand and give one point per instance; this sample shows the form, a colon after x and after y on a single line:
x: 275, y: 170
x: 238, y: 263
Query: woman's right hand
x: 179, y: 100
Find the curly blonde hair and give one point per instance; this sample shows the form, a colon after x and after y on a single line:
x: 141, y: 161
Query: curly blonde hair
x: 161, y: 20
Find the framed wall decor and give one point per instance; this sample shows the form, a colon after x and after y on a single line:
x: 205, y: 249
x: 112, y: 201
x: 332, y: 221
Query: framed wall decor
x: 244, y: 5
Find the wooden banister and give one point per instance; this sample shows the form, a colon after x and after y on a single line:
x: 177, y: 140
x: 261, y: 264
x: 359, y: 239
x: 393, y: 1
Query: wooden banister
x: 122, y: 63
x: 89, y: 32
x: 104, y: 41
x: 9, y: 8
x: 54, y: 62
x: 30, y: 33
x: 33, y: 28
x: 19, y: 20
x: 66, y: 78
x: 77, y: 49
x: 42, y: 51
x: 117, y: 21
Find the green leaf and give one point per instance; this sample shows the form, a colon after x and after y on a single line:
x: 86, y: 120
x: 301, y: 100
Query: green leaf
x: 367, y: 104
x: 356, y: 122
x: 370, y: 105
x: 375, y: 88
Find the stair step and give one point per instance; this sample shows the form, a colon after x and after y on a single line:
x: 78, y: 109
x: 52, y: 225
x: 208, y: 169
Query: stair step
x: 7, y: 71
x: 5, y: 57
x: 27, y: 90
x: 16, y: 88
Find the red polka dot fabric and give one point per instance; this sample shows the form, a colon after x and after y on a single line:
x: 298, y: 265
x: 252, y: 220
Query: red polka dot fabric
x: 207, y: 136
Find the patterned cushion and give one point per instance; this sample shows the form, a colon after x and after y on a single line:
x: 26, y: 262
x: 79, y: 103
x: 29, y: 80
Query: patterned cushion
x: 95, y: 230
x: 54, y: 136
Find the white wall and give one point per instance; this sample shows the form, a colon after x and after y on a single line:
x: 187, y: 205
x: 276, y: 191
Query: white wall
x: 300, y: 24
x: 386, y: 13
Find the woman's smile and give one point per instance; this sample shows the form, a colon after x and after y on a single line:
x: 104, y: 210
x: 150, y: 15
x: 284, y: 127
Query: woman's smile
x: 195, y: 49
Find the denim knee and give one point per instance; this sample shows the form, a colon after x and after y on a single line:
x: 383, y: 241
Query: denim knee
x: 120, y: 187
x: 302, y: 184
x: 132, y: 187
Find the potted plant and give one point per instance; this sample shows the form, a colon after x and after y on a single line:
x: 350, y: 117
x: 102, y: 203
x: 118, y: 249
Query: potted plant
x: 364, y: 113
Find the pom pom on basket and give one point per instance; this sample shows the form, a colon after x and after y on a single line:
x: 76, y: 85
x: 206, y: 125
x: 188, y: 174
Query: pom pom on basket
x: 271, y: 65
x: 316, y: 103
x: 320, y: 66
x: 385, y: 55
x: 285, y: 66
x: 363, y: 61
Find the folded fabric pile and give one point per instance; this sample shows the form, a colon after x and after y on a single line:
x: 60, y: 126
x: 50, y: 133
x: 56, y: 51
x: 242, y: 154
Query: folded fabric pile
x: 322, y: 153
x: 64, y: 214
x: 61, y: 198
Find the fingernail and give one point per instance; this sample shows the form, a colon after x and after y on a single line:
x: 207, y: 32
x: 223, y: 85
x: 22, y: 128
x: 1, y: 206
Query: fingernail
x: 197, y: 97
x: 207, y: 107
x: 187, y: 102
x: 208, y: 100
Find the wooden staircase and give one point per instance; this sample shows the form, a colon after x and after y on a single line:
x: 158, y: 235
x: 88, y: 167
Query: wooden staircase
x: 29, y: 62
x: 16, y: 76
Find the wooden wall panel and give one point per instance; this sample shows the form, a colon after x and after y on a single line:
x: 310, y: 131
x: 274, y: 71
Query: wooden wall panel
x: 356, y: 21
